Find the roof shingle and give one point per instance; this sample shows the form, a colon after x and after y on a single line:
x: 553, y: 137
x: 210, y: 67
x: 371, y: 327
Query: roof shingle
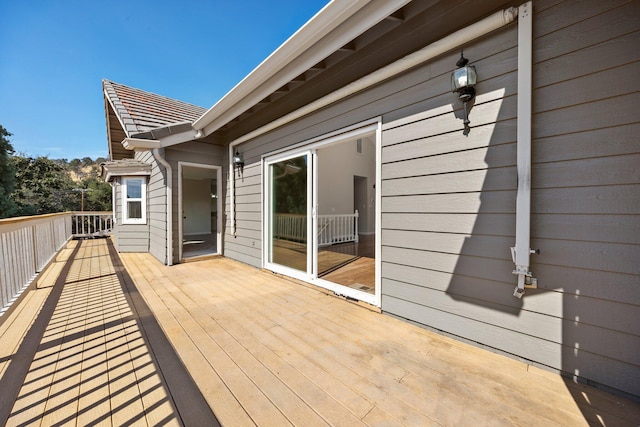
x: 140, y: 111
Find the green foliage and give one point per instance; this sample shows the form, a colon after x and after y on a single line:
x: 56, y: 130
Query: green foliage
x: 98, y: 198
x: 35, y: 186
x: 8, y: 207
x: 43, y: 186
x: 290, y: 186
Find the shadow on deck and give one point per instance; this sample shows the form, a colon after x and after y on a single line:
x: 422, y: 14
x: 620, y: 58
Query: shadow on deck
x: 160, y: 345
x: 94, y: 354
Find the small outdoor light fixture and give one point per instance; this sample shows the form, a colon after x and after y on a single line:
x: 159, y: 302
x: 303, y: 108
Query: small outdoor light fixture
x: 463, y: 81
x: 238, y: 162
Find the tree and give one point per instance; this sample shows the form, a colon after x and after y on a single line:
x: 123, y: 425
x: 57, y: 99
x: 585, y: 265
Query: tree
x: 290, y: 186
x: 8, y: 207
x: 98, y: 198
x: 42, y: 186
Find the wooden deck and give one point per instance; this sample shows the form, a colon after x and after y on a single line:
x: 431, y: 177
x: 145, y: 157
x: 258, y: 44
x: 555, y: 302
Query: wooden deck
x: 259, y: 349
x: 77, y: 351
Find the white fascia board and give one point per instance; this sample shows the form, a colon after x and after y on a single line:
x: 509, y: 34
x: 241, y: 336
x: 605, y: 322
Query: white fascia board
x: 106, y: 116
x: 312, y: 43
x: 115, y: 110
x: 140, y: 144
x: 179, y: 138
x: 163, y: 142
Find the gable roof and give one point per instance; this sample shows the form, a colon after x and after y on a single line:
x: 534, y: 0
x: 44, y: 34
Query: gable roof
x: 135, y: 113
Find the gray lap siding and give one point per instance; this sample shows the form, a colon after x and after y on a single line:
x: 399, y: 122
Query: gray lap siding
x: 448, y: 200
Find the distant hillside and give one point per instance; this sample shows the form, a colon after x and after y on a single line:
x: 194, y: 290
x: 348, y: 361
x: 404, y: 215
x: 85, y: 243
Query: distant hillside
x: 79, y: 170
x: 83, y: 172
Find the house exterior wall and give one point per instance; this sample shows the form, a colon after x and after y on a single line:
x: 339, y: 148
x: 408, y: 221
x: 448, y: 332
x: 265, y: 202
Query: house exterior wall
x: 448, y: 200
x: 454, y: 275
x: 128, y: 237
x: 156, y: 207
x: 246, y: 244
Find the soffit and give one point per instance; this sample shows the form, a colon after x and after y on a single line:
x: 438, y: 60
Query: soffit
x: 409, y: 28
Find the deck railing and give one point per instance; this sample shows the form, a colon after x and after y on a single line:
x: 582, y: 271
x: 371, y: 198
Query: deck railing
x: 28, y: 244
x: 291, y: 227
x: 91, y: 224
x: 334, y: 229
x: 331, y: 228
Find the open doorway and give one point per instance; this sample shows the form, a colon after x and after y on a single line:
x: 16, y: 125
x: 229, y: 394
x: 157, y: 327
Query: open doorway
x: 199, y: 209
x: 346, y: 177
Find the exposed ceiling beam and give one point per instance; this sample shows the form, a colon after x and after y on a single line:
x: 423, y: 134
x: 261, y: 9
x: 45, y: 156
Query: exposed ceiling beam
x: 397, y: 16
x: 349, y: 47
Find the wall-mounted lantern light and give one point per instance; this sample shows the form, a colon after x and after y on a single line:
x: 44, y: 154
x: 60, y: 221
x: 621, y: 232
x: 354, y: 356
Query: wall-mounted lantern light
x: 238, y: 163
x: 463, y: 81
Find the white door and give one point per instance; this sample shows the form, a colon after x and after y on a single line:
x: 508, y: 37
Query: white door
x: 289, y: 214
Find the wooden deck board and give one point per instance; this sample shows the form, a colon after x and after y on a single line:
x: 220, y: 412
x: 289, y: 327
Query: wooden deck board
x: 256, y: 404
x: 12, y: 331
x: 212, y: 386
x: 91, y: 364
x: 262, y: 350
x: 294, y: 391
x: 328, y: 349
x: 341, y: 359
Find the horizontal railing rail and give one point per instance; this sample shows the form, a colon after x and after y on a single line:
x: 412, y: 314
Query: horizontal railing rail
x: 91, y: 224
x: 291, y: 227
x: 29, y: 244
x: 332, y: 229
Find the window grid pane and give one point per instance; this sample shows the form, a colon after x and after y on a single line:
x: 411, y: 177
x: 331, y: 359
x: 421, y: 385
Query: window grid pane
x: 135, y: 209
x: 134, y: 189
x: 133, y: 200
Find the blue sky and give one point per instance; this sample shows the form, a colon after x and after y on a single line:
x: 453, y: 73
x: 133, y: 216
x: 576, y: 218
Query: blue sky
x: 55, y: 53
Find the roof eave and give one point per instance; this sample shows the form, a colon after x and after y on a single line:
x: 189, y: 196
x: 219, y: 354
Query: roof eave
x: 140, y: 144
x: 109, y: 170
x: 312, y: 43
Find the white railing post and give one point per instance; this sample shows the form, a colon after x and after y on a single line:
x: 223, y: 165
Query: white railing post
x: 355, y: 219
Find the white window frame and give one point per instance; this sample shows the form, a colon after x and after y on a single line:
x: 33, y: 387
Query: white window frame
x: 142, y: 199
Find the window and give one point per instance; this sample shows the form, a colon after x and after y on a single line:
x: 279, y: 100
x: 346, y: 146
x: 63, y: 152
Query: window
x: 134, y: 201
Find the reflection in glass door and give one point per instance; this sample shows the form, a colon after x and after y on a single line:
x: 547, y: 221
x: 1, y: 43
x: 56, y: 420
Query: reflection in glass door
x: 289, y: 227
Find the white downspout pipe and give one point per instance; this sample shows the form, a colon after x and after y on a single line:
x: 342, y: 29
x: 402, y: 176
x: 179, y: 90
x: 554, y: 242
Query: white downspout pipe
x: 158, y: 156
x: 522, y: 250
x: 458, y: 38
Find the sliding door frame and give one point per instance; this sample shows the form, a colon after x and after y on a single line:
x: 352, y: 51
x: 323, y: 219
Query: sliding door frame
x: 309, y: 147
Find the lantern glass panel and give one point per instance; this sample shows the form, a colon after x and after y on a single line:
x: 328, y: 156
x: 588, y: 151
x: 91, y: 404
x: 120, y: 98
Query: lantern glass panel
x: 472, y: 77
x: 463, y: 77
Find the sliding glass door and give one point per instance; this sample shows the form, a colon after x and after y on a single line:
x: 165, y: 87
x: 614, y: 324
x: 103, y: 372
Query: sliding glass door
x: 289, y: 204
x: 320, y: 214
